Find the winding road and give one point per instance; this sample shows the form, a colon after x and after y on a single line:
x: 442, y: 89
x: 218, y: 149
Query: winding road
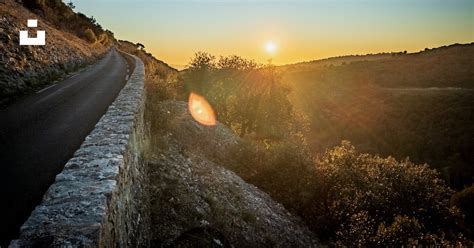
x: 40, y: 133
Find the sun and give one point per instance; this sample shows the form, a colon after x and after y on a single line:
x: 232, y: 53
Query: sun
x: 270, y: 47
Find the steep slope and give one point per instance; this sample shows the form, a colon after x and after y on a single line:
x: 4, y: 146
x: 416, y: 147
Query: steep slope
x: 24, y: 69
x: 196, y: 202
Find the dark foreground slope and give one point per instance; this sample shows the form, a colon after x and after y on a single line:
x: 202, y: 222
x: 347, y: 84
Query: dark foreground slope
x: 196, y: 202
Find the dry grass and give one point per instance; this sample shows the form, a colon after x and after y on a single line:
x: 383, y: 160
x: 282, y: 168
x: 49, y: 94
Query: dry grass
x: 54, y: 38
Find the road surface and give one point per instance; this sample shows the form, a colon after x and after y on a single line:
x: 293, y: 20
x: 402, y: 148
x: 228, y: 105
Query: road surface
x: 40, y: 133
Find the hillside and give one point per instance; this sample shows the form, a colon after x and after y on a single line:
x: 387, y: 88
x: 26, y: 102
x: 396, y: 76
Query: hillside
x: 448, y: 66
x: 197, y: 201
x: 417, y: 105
x: 25, y: 69
x: 293, y: 151
x: 301, y: 155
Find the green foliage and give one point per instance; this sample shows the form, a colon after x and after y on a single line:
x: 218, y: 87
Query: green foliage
x: 90, y: 36
x: 353, y: 199
x: 248, y: 98
x: 285, y: 170
x: 403, y: 231
x: 356, y: 102
x: 436, y: 128
x: 465, y: 201
x: 348, y: 198
x: 199, y: 72
x: 360, y: 193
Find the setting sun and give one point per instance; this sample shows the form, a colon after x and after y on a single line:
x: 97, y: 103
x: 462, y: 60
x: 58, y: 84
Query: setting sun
x: 270, y: 47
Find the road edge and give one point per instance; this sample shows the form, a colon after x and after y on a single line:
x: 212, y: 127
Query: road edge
x: 98, y: 198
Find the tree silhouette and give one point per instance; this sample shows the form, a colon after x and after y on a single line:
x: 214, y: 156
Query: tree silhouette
x: 140, y: 46
x: 71, y: 5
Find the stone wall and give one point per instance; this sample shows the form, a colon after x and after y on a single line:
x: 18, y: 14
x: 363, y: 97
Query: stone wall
x: 97, y: 200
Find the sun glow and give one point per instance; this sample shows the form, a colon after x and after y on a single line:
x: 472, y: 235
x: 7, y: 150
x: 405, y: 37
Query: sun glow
x: 270, y: 47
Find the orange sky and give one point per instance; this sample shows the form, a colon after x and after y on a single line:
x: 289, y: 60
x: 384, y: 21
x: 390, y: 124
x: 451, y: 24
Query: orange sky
x: 302, y: 29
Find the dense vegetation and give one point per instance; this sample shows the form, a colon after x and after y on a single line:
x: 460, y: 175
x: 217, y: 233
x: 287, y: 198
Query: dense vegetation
x: 62, y: 16
x: 291, y: 148
x: 247, y: 97
x: 448, y: 66
x: 351, y: 198
x: 364, y: 102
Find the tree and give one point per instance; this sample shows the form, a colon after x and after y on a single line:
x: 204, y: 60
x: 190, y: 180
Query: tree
x: 70, y: 4
x: 249, y: 98
x: 199, y: 72
x: 140, y: 46
x: 92, y: 20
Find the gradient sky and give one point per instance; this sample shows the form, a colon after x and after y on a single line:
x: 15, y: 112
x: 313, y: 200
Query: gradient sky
x: 302, y: 29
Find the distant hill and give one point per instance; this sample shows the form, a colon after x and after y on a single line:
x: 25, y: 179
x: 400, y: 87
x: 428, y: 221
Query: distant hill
x: 447, y: 66
x: 417, y: 105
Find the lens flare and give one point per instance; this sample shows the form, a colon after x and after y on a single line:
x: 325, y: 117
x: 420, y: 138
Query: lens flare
x: 201, y: 110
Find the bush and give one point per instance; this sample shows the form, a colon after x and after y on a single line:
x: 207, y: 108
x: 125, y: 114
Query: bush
x: 249, y: 98
x: 465, y: 201
x: 352, y: 199
x: 369, y: 200
x: 404, y: 231
x: 89, y: 35
x: 34, y: 4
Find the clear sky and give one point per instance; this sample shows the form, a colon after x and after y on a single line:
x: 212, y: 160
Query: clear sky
x: 301, y: 30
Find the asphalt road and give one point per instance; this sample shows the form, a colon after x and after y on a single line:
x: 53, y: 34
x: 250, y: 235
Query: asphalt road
x: 40, y: 133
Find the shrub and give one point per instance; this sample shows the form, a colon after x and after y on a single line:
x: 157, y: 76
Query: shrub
x: 250, y: 99
x: 465, y: 201
x: 404, y: 231
x: 282, y: 169
x: 352, y: 199
x: 368, y: 199
x: 89, y: 35
x: 34, y: 4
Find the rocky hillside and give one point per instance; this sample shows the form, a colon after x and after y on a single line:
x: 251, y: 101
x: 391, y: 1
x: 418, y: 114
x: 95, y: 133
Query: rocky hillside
x: 197, y: 202
x: 24, y: 69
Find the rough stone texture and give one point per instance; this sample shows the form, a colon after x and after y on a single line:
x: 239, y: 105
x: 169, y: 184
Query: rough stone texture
x: 97, y: 200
